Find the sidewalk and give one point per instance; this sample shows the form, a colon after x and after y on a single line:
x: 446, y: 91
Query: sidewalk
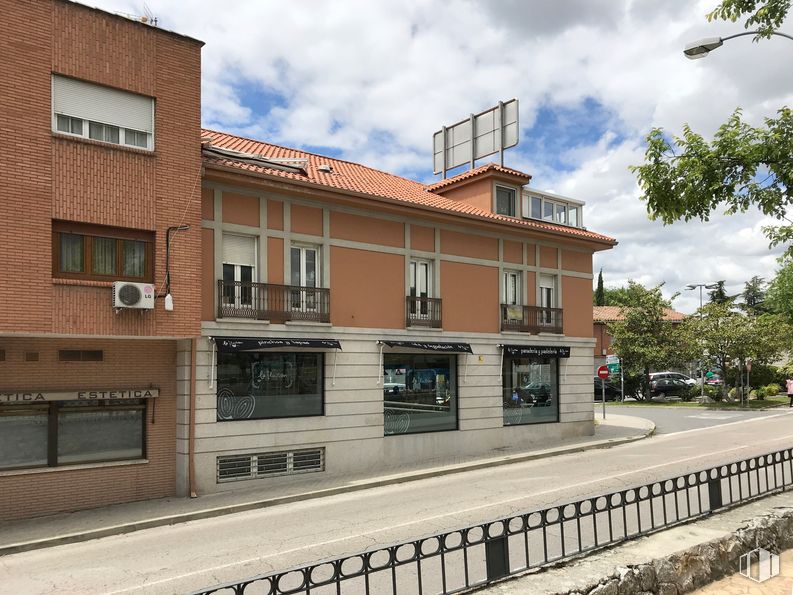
x: 31, y: 534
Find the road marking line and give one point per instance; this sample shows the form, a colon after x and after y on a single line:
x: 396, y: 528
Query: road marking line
x: 440, y: 516
x: 740, y: 421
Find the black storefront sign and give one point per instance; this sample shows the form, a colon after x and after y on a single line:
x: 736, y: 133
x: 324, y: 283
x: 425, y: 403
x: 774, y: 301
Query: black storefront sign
x: 440, y: 347
x: 537, y: 350
x: 234, y: 344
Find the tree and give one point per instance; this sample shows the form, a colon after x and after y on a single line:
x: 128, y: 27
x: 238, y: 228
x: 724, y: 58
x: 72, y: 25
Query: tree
x: 754, y: 296
x: 600, y: 296
x: 688, y: 177
x: 779, y: 298
x: 719, y: 295
x: 729, y: 338
x: 643, y: 339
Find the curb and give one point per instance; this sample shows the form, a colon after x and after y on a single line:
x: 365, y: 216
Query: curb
x: 125, y: 528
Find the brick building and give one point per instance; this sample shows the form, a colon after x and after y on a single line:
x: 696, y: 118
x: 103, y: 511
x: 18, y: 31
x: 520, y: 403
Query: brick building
x: 101, y: 155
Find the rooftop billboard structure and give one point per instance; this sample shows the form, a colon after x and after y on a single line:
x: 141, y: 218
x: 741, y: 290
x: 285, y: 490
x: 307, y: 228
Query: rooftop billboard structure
x: 479, y: 135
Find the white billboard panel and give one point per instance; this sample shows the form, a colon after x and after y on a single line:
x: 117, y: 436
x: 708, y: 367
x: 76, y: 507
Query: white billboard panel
x: 483, y: 134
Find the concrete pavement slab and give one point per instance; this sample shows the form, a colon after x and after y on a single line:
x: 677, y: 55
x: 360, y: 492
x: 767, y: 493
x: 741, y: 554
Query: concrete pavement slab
x: 31, y: 534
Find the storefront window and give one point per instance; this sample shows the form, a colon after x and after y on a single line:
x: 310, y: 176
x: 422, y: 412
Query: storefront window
x: 69, y: 432
x: 531, y: 390
x: 258, y: 385
x: 419, y: 393
x: 89, y: 432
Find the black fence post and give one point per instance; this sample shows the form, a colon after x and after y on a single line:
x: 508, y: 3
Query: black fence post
x: 497, y: 557
x: 714, y: 494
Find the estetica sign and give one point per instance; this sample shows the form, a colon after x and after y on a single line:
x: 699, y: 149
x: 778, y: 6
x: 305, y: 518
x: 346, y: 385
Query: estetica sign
x: 78, y: 395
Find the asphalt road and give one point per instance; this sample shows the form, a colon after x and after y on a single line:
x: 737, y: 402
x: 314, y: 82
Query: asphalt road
x: 201, y: 553
x: 669, y: 420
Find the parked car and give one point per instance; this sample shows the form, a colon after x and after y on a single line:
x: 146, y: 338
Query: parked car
x: 613, y: 392
x: 668, y: 386
x: 714, y: 380
x: 536, y: 393
x: 674, y: 375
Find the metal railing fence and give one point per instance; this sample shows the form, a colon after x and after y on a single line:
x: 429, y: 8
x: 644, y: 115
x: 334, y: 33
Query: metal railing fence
x: 459, y: 560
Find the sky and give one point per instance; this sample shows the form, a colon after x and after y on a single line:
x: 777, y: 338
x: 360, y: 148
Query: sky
x: 371, y: 81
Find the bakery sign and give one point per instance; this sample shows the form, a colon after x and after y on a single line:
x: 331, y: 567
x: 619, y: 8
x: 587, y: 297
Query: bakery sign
x: 43, y: 396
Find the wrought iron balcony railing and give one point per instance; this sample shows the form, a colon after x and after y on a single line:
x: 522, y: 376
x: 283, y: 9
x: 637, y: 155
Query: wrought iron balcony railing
x: 276, y: 303
x: 531, y: 319
x: 423, y: 311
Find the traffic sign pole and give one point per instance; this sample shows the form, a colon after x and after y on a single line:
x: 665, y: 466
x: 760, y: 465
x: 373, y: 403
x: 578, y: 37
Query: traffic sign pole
x: 603, y: 374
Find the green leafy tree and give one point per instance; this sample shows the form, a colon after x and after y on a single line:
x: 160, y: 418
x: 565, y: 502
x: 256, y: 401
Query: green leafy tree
x: 729, y: 338
x: 754, y: 296
x: 719, y: 295
x: 764, y: 15
x: 600, y: 296
x: 643, y: 339
x: 687, y: 177
x: 779, y: 298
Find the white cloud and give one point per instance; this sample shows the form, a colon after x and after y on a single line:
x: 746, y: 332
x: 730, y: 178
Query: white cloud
x: 374, y: 80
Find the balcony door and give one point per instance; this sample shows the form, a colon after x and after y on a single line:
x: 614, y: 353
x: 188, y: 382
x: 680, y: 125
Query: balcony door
x: 420, y: 287
x: 239, y: 270
x: 547, y: 298
x: 305, y: 276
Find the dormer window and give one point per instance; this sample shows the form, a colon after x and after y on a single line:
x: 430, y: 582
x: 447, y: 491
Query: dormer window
x: 553, y: 209
x: 505, y: 201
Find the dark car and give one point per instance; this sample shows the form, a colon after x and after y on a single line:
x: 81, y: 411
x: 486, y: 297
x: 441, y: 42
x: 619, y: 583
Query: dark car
x: 668, y: 386
x: 613, y: 392
x: 536, y: 393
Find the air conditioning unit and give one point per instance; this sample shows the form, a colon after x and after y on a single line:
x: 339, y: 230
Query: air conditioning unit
x: 133, y: 295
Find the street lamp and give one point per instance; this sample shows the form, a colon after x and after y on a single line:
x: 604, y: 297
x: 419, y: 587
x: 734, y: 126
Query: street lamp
x: 691, y: 287
x: 702, y: 47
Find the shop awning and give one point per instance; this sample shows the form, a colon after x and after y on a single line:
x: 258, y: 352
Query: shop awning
x: 441, y: 347
x: 537, y: 350
x: 233, y: 344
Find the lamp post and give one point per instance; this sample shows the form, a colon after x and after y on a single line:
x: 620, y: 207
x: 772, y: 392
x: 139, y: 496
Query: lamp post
x: 702, y: 47
x: 691, y: 287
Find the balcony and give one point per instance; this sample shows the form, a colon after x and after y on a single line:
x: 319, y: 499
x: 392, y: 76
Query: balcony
x: 276, y: 303
x: 531, y: 319
x: 423, y: 312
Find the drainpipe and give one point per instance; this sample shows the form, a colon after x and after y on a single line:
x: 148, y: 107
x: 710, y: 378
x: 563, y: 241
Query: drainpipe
x: 191, y: 440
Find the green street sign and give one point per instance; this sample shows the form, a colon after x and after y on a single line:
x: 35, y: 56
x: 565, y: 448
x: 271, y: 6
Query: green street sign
x: 708, y: 374
x: 613, y: 368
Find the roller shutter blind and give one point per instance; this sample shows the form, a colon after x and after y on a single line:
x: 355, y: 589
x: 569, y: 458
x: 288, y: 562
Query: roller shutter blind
x: 239, y: 250
x: 102, y: 104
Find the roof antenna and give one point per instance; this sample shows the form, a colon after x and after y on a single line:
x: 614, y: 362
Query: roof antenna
x: 148, y: 16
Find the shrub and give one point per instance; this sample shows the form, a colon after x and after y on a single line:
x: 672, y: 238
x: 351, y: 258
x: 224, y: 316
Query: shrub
x: 733, y: 394
x: 691, y: 394
x: 772, y: 390
x: 713, y: 392
x: 759, y: 393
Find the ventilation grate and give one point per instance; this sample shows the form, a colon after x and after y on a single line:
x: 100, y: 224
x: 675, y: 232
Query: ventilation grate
x: 270, y: 464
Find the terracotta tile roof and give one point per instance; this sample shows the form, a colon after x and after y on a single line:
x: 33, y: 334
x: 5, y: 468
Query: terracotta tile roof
x: 353, y: 177
x: 614, y: 313
x: 477, y: 171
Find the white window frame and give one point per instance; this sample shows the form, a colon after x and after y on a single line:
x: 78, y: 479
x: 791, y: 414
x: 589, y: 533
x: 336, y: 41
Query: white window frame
x: 545, y: 299
x: 238, y: 302
x: 556, y: 205
x: 511, y: 286
x: 103, y: 92
x: 306, y: 300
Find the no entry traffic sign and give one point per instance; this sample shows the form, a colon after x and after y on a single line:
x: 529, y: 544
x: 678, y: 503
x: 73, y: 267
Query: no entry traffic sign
x: 603, y: 372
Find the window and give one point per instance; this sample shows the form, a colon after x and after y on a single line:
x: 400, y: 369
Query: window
x: 239, y: 270
x: 255, y: 385
x: 304, y: 262
x: 505, y: 201
x: 101, y: 113
x: 531, y: 390
x: 78, y: 355
x: 419, y: 393
x: 547, y: 299
x: 512, y: 287
x: 101, y: 253
x: 558, y: 210
x: 70, y: 432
